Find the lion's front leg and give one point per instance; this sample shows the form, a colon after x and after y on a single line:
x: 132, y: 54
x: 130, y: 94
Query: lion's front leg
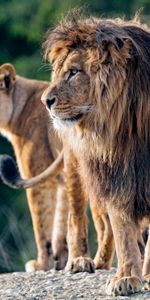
x: 106, y: 247
x: 78, y: 260
x: 128, y: 278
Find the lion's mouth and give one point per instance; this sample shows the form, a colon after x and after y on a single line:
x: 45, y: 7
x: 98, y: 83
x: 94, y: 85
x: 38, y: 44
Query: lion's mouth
x: 74, y: 118
x: 68, y: 120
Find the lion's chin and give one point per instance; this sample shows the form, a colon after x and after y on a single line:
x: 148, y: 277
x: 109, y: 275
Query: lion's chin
x: 59, y: 122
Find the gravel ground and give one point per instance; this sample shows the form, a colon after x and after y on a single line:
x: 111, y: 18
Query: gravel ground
x: 59, y: 285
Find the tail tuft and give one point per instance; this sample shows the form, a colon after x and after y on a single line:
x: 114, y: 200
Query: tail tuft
x: 8, y: 171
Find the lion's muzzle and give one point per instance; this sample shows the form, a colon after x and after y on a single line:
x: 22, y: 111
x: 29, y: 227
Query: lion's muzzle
x: 48, y: 99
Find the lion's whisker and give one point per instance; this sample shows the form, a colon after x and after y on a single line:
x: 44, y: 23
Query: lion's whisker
x: 45, y: 66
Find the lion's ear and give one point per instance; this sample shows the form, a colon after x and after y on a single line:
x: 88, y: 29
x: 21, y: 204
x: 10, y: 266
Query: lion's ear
x: 117, y: 42
x: 7, y: 76
x: 116, y: 49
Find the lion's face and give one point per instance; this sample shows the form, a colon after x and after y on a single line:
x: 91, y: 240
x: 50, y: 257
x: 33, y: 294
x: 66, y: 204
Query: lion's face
x: 7, y: 80
x: 69, y: 90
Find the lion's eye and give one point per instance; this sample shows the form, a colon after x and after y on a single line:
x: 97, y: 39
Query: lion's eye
x: 72, y: 73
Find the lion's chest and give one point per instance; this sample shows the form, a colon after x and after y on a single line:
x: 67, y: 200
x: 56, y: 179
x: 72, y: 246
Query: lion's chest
x: 96, y: 177
x: 88, y: 152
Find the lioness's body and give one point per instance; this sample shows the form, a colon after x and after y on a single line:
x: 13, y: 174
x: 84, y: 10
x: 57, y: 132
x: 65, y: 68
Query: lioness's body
x: 36, y: 146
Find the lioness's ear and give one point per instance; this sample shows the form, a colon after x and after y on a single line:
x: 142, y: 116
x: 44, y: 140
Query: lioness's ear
x: 7, y: 76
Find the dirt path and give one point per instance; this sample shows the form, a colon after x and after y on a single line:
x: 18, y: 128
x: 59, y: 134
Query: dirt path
x: 59, y: 285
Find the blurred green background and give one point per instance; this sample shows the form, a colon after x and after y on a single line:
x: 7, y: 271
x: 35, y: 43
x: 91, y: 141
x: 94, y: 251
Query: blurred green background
x: 22, y: 27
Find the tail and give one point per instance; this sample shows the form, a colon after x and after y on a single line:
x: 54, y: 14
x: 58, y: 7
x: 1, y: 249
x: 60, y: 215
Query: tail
x: 10, y: 175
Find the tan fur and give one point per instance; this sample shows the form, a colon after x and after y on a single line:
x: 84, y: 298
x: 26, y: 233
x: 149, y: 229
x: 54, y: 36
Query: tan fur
x: 100, y: 107
x: 36, y: 146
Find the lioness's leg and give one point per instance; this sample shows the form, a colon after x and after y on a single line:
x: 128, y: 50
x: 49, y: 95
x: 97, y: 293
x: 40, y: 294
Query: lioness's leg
x: 106, y: 246
x: 128, y: 278
x: 42, y: 200
x: 59, y: 235
x: 78, y: 259
x: 146, y: 264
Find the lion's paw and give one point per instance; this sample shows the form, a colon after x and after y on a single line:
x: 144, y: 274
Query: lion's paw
x: 34, y: 265
x: 81, y: 264
x: 147, y: 282
x: 123, y: 286
x: 101, y: 264
x: 60, y: 260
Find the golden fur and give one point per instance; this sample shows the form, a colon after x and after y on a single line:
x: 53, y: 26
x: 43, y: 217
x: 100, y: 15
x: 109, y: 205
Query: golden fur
x: 36, y: 146
x: 99, y: 100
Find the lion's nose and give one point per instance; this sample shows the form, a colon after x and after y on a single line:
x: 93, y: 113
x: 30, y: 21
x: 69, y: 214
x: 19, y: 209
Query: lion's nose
x: 48, y: 102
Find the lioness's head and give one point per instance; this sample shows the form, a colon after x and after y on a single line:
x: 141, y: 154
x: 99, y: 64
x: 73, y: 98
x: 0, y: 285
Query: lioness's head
x: 100, y: 75
x: 7, y: 81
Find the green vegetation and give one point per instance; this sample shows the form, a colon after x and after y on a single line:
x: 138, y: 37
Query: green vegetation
x: 22, y: 28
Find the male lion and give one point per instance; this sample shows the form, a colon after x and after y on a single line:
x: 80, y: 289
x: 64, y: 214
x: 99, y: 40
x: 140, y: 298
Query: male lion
x: 36, y: 147
x: 99, y: 100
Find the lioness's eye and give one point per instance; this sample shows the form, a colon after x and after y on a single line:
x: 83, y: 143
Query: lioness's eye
x: 72, y: 73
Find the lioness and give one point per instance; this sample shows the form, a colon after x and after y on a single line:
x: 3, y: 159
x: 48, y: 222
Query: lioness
x: 11, y: 176
x: 99, y: 102
x: 36, y: 146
